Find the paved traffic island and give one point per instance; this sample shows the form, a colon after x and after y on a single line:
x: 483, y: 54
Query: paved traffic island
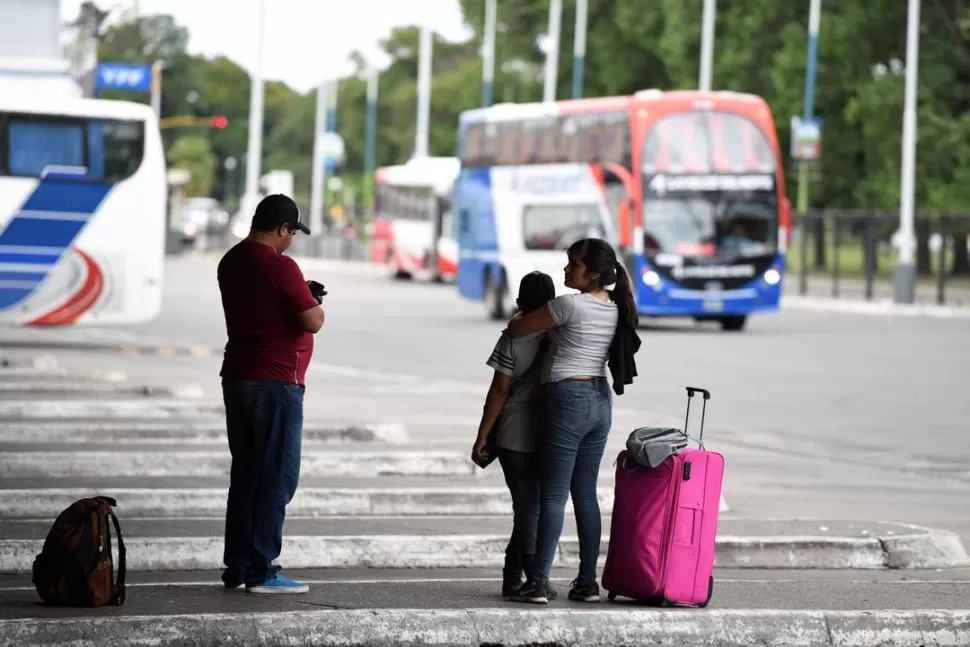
x: 479, y: 542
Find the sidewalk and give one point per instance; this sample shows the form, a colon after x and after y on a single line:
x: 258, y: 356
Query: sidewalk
x: 464, y: 608
x: 851, y: 299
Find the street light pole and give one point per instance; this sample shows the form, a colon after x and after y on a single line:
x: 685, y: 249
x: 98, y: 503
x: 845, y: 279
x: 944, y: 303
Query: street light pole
x: 905, y: 274
x: 707, y: 45
x: 488, y: 53
x: 552, y: 52
x: 579, y: 48
x: 156, y: 97
x: 254, y: 152
x: 316, y: 175
x: 370, y: 135
x: 422, y: 128
x: 814, y: 18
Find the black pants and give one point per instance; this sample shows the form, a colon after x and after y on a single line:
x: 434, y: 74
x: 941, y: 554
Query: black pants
x: 521, y: 471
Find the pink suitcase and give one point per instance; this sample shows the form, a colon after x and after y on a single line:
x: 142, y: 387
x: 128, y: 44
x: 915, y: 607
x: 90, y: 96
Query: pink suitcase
x: 662, y: 538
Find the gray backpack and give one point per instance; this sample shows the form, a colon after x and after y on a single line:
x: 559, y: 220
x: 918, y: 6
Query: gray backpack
x: 650, y: 446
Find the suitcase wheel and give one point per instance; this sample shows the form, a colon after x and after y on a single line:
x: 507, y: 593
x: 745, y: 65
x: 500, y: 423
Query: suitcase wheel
x: 710, y: 593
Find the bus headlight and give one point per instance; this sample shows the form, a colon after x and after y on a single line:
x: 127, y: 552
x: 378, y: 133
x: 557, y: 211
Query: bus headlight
x: 651, y: 279
x: 772, y: 277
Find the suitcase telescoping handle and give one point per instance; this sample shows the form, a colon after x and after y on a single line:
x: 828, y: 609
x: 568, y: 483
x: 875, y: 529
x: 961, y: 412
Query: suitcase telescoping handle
x: 691, y: 391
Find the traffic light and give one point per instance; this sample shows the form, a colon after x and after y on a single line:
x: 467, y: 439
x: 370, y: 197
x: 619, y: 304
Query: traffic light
x: 219, y: 121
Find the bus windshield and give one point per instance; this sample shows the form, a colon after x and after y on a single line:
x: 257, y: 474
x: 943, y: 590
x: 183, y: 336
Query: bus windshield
x: 713, y: 226
x: 709, y: 187
x: 406, y: 202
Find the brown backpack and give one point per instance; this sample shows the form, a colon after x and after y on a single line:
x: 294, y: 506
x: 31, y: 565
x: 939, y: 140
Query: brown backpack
x: 75, y: 567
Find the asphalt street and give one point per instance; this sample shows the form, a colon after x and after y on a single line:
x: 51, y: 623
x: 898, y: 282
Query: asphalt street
x: 817, y: 414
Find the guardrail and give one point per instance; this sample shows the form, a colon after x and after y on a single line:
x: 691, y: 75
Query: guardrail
x: 841, y: 253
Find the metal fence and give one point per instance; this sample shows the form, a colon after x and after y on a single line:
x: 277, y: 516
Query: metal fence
x: 848, y: 253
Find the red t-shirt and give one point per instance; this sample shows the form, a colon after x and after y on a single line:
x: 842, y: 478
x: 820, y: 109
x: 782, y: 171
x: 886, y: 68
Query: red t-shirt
x: 262, y: 293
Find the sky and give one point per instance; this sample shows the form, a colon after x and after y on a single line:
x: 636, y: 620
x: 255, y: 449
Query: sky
x: 306, y: 41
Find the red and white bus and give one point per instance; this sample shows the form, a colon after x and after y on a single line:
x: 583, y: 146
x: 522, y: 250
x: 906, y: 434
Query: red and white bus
x: 693, y: 182
x: 413, y: 231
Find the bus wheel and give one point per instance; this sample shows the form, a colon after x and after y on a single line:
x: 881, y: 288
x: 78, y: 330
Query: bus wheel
x: 396, y: 274
x: 494, y: 298
x: 733, y: 323
x: 431, y: 264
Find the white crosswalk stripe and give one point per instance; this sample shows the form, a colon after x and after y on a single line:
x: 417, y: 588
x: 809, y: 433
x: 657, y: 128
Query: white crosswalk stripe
x: 68, y: 431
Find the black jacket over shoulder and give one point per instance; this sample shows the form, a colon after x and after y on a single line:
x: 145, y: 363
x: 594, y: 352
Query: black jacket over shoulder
x: 622, y: 365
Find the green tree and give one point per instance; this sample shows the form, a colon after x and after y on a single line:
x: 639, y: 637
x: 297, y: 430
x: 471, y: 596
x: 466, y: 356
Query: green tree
x: 193, y: 154
x: 90, y: 22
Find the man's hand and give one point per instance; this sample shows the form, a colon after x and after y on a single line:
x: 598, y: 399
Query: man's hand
x: 317, y: 290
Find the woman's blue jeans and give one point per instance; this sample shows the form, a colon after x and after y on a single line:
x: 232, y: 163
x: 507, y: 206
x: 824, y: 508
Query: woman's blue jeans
x: 579, y: 414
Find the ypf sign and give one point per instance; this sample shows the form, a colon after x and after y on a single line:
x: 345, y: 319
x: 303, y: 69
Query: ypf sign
x: 130, y: 77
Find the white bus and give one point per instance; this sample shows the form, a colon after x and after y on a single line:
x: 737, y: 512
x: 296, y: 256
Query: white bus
x: 82, y: 211
x: 513, y: 219
x: 413, y: 229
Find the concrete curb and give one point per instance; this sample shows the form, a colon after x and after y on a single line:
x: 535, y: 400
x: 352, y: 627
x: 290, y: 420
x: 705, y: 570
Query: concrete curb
x: 57, y: 375
x: 183, y: 433
x: 48, y: 362
x: 308, y: 502
x: 482, y: 626
x: 910, y: 551
x: 882, y: 308
x: 363, y: 464
x: 21, y: 372
x: 91, y: 387
x: 149, y: 408
x: 485, y: 551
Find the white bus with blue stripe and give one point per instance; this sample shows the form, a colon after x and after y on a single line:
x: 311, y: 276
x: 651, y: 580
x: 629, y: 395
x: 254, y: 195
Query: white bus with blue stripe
x: 82, y: 212
x: 512, y: 220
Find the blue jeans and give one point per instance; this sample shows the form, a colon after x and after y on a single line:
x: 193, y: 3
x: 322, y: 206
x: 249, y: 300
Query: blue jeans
x: 264, y: 420
x: 579, y: 414
x: 522, y: 478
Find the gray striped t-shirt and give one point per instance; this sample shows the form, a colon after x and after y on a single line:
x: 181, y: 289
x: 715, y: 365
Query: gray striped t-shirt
x: 518, y: 425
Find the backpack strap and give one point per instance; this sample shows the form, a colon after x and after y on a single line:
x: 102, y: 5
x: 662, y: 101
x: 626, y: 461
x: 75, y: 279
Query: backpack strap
x: 119, y: 598
x: 521, y: 380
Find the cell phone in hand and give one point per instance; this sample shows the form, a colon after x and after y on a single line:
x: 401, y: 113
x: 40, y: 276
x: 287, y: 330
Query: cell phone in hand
x: 317, y: 290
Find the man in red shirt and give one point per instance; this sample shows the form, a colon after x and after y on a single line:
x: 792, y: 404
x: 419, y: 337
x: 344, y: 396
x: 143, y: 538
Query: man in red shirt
x: 271, y: 317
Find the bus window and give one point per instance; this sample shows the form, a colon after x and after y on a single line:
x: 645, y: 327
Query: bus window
x: 556, y: 227
x: 34, y: 144
x: 115, y: 149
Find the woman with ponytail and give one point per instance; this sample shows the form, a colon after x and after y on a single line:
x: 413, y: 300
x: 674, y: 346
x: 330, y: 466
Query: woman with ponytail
x: 585, y: 332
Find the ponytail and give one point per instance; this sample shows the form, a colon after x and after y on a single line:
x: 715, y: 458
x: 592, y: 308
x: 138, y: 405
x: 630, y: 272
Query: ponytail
x: 623, y: 297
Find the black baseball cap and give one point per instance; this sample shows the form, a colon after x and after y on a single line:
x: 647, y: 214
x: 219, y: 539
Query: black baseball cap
x: 275, y: 211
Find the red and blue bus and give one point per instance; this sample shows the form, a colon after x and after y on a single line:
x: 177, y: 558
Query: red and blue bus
x: 693, y: 182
